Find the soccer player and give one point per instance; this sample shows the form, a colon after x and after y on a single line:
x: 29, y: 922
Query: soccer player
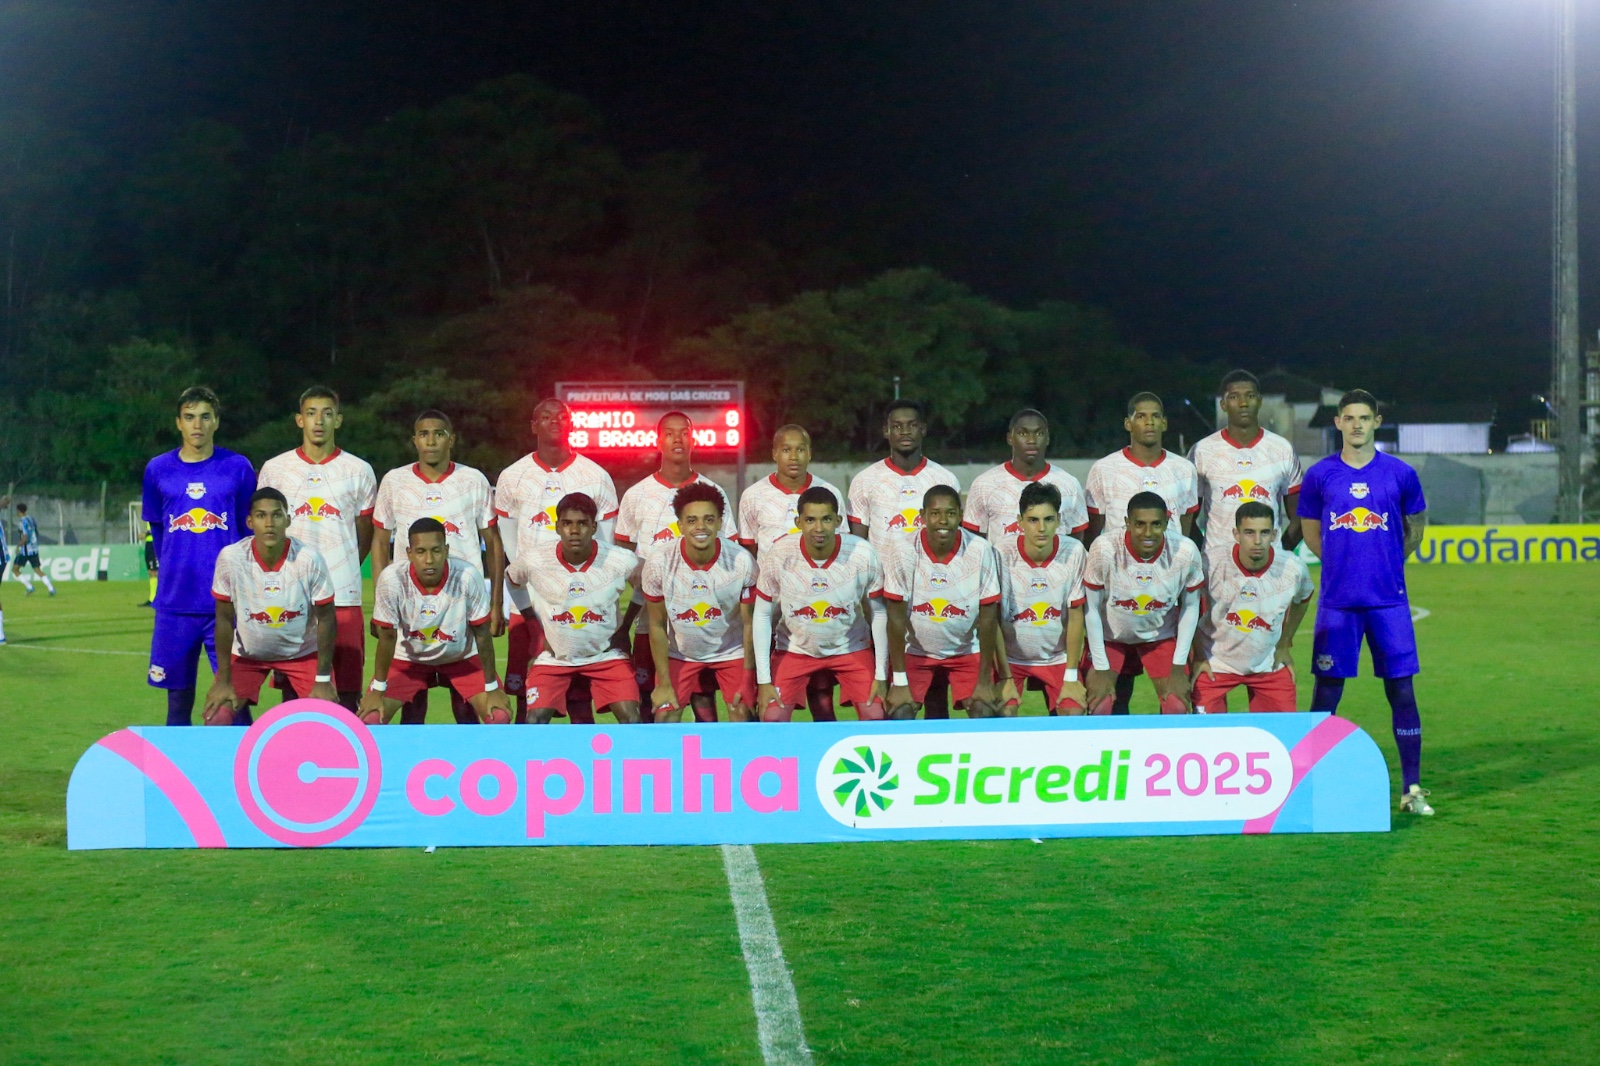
x: 1143, y: 466
x: 3, y: 559
x: 1143, y: 590
x: 768, y: 512
x: 459, y: 499
x: 991, y: 508
x: 28, y: 552
x: 1244, y: 462
x: 270, y: 590
x: 942, y: 589
x: 1042, y: 598
x: 151, y: 566
x: 698, y: 598
x: 1258, y: 597
x: 573, y: 589
x: 525, y: 499
x: 195, y: 502
x: 1362, y: 513
x: 828, y: 588
x: 432, y: 613
x: 331, y: 495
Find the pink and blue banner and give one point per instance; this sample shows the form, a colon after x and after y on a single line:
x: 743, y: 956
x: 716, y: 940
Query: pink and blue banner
x: 307, y: 774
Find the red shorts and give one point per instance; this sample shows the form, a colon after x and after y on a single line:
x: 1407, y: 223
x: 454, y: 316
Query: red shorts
x: 523, y: 642
x: 730, y: 677
x: 1131, y: 660
x: 350, y: 649
x: 962, y: 672
x: 1268, y: 692
x: 250, y: 674
x: 1050, y: 677
x: 610, y: 682
x: 792, y: 673
x: 406, y: 679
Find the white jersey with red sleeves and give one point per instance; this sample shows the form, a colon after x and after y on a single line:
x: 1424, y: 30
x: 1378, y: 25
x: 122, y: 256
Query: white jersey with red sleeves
x: 888, y: 500
x: 1142, y: 596
x: 1240, y: 633
x: 1117, y: 478
x: 272, y: 605
x: 991, y: 507
x: 460, y: 499
x: 767, y: 510
x: 1231, y: 473
x: 527, y: 492
x: 1035, y: 598
x: 704, y: 624
x: 325, y: 499
x: 819, y: 604
x: 942, y: 594
x: 432, y: 628
x: 579, y: 607
x: 647, y: 518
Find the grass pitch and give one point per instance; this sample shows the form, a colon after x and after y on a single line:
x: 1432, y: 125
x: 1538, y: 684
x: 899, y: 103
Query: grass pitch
x: 1471, y: 937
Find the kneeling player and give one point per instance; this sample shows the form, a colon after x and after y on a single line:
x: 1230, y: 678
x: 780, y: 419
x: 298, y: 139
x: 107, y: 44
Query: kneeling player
x: 1258, y: 597
x: 268, y: 589
x: 699, y: 592
x: 1041, y: 614
x: 573, y: 589
x: 942, y: 587
x: 817, y: 582
x: 1143, y: 591
x: 432, y: 614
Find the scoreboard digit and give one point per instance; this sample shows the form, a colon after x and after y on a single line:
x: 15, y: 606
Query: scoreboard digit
x: 619, y: 417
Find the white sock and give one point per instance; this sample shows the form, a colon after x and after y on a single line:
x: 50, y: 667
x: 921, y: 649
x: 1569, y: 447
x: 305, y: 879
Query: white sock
x: 26, y: 579
x: 2, y: 625
x: 47, y: 582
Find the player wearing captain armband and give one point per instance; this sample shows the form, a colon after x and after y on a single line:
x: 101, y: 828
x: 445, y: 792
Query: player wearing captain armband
x: 1258, y: 595
x: 991, y: 507
x: 1143, y: 590
x: 1243, y: 463
x: 573, y: 589
x: 698, y: 594
x: 432, y: 614
x: 275, y: 610
x: 942, y: 588
x: 1041, y: 604
x: 827, y: 587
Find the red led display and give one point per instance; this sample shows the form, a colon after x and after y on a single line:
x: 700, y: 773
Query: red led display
x: 614, y: 417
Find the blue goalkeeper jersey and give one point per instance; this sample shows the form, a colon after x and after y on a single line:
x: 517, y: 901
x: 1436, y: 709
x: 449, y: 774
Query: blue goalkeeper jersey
x: 1362, y: 512
x: 194, y: 510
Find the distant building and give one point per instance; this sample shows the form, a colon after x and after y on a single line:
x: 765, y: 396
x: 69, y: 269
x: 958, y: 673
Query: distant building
x: 1420, y: 429
x: 1288, y: 403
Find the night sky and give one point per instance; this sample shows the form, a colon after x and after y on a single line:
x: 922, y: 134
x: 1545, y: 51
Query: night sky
x: 1250, y: 182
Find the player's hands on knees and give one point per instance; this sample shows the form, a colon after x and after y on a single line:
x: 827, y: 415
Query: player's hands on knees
x: 1177, y: 684
x: 1283, y: 658
x: 766, y: 696
x: 739, y: 711
x: 898, y: 695
x: 371, y: 708
x: 324, y: 690
x: 1201, y: 667
x: 1074, y: 691
x: 1099, y: 686
x: 219, y: 695
x: 496, y: 708
x: 663, y: 699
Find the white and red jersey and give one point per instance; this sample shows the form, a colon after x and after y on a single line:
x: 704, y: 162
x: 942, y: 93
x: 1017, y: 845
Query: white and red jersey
x: 942, y: 593
x: 460, y: 500
x: 272, y: 604
x: 432, y: 628
x: 1231, y: 473
x: 1035, y: 598
x: 888, y: 500
x: 325, y: 499
x: 1142, y: 596
x: 1240, y: 633
x: 819, y: 604
x: 579, y: 607
x: 992, y: 510
x: 526, y: 494
x: 768, y: 511
x: 704, y: 624
x: 1117, y: 478
x: 647, y: 518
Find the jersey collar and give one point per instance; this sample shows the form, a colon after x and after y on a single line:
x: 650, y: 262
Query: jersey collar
x: 838, y: 542
x: 1127, y: 541
x: 316, y: 462
x: 1127, y: 453
x: 906, y: 473
x: 416, y: 468
x: 1037, y: 477
x: 538, y: 462
x: 256, y: 551
x: 1022, y: 550
x: 1245, y: 570
x: 694, y: 475
x: 1261, y: 434
x: 444, y: 579
x: 716, y: 553
x: 594, y: 553
x: 779, y: 485
x: 927, y: 549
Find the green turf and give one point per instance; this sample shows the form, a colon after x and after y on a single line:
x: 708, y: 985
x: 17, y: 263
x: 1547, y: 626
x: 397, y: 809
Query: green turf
x: 1469, y: 938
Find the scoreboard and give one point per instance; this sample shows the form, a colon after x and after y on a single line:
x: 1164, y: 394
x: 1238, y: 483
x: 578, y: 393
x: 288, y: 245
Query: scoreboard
x: 619, y: 417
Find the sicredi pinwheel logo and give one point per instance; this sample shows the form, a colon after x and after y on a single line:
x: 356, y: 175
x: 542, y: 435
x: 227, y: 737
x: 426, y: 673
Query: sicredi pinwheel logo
x: 307, y: 773
x: 864, y: 779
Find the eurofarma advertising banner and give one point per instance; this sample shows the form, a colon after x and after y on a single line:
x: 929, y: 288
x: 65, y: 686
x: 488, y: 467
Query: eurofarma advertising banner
x: 307, y: 774
x: 1510, y: 544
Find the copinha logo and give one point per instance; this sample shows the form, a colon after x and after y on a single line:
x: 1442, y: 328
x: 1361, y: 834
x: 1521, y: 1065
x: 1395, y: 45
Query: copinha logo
x: 864, y: 779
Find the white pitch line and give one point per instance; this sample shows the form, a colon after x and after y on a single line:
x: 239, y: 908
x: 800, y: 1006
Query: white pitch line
x: 783, y: 1038
x: 1419, y: 613
x: 78, y: 651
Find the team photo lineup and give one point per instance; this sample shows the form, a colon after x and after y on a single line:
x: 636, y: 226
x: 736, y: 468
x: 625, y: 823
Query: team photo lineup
x: 908, y: 593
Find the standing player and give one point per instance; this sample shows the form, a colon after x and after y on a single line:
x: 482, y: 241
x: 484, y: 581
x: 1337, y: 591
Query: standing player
x: 1143, y: 466
x: 698, y: 598
x: 269, y: 590
x: 991, y: 508
x: 573, y: 588
x: 195, y: 501
x: 1258, y: 596
x: 1041, y: 613
x: 28, y: 552
x: 1240, y: 463
x: 942, y: 588
x: 768, y: 512
x: 1143, y: 589
x: 1362, y: 513
x: 3, y: 559
x: 432, y: 614
x: 828, y: 588
x: 459, y: 499
x: 331, y: 495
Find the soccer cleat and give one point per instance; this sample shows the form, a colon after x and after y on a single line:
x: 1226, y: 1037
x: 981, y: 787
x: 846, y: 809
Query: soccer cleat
x: 52, y: 592
x: 1415, y: 800
x: 27, y: 590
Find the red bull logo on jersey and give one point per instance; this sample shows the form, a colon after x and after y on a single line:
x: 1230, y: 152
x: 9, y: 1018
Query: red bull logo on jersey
x: 1038, y: 614
x: 1359, y: 520
x: 1013, y: 529
x: 577, y: 617
x: 431, y: 635
x: 666, y: 534
x: 699, y: 614
x: 195, y: 489
x: 450, y: 528
x: 1247, y: 622
x: 274, y: 617
x: 819, y: 612
x: 1245, y: 490
x: 937, y: 610
x: 1359, y: 490
x: 197, y: 520
x: 545, y: 519
x: 908, y: 520
x: 1140, y: 604
x: 316, y: 509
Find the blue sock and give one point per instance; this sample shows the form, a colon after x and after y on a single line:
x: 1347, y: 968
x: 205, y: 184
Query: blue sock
x: 180, y: 706
x: 1407, y: 728
x: 1325, y: 697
